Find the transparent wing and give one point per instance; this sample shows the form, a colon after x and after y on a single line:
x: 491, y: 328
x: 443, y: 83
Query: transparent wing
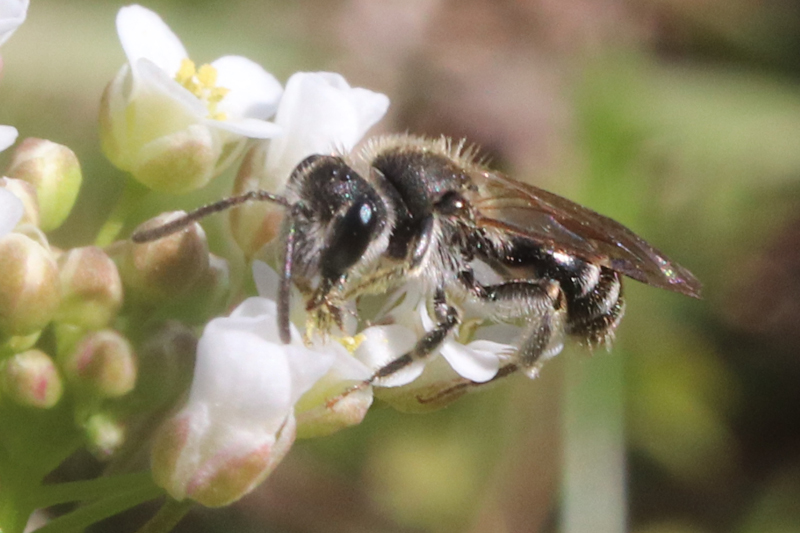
x: 561, y: 225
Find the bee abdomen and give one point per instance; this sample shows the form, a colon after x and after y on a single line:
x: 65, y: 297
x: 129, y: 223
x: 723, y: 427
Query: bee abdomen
x: 592, y: 317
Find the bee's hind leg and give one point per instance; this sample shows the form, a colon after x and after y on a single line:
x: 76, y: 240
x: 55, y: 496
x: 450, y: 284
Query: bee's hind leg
x: 541, y: 303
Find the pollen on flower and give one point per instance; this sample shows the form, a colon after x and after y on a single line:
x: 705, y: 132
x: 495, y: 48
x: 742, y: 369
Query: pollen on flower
x: 202, y: 82
x: 352, y: 343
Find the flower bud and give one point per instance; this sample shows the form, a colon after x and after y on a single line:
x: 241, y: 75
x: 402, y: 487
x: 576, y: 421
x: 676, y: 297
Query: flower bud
x: 165, y: 268
x: 55, y: 172
x: 29, y: 286
x: 220, y: 472
x: 27, y: 195
x: 105, y: 435
x: 18, y: 343
x: 102, y: 363
x: 238, y: 422
x: 91, y: 289
x: 31, y: 379
x: 256, y: 223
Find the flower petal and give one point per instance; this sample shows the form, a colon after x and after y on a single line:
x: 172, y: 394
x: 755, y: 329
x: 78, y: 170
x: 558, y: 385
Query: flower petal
x: 477, y: 361
x: 12, y: 15
x: 254, y: 92
x: 8, y: 136
x: 149, y: 78
x: 320, y: 113
x: 11, y: 210
x: 383, y: 344
x: 243, y: 379
x: 144, y: 35
x: 247, y: 127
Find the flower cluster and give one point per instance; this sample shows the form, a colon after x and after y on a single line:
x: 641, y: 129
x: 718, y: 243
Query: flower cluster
x: 104, y: 336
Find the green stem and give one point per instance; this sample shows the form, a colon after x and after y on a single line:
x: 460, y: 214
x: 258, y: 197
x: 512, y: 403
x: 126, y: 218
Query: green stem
x: 594, y: 474
x: 167, y: 517
x: 127, y: 202
x: 91, y: 489
x: 91, y: 513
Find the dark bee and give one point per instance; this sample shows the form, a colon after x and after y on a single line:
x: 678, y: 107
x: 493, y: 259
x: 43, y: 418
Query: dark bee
x: 405, y: 208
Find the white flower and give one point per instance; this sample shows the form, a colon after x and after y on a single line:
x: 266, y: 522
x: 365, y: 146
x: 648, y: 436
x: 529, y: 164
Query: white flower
x: 174, y: 126
x: 319, y: 114
x: 12, y: 15
x: 239, y: 420
x: 316, y: 416
x: 11, y: 207
x: 8, y: 135
x: 423, y: 384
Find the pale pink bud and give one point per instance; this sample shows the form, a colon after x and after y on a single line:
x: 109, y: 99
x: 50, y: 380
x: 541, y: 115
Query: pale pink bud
x: 30, y: 378
x: 29, y: 286
x: 165, y: 268
x: 55, y: 172
x: 91, y: 288
x: 102, y: 363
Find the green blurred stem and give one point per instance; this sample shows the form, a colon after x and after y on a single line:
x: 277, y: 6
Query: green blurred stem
x: 127, y: 202
x: 167, y: 517
x: 91, y: 513
x: 91, y: 489
x: 594, y: 482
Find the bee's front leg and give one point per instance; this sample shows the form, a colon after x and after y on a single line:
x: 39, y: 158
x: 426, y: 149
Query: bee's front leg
x: 448, y: 318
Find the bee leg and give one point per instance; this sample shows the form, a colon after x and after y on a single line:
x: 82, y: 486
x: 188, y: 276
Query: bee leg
x: 447, y: 318
x: 541, y: 303
x: 462, y: 386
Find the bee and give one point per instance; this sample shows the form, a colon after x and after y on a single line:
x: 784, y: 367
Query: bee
x: 405, y: 208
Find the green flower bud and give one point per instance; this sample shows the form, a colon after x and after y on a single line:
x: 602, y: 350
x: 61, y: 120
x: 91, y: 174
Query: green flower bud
x: 103, y: 363
x: 29, y: 286
x: 105, y: 435
x: 91, y: 289
x: 256, y: 223
x: 27, y: 195
x: 31, y: 379
x: 18, y: 343
x: 55, y: 172
x: 166, y: 268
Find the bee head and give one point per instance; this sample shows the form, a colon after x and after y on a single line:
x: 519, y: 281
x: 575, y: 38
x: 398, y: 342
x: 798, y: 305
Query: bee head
x: 339, y: 220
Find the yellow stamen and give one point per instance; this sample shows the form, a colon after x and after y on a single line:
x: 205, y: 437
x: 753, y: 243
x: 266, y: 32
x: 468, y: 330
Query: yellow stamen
x: 202, y: 82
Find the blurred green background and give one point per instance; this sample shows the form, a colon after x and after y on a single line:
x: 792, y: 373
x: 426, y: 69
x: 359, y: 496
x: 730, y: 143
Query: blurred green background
x: 680, y: 118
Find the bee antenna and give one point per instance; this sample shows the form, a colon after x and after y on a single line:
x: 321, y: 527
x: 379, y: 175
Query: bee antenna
x: 153, y: 234
x: 285, y: 282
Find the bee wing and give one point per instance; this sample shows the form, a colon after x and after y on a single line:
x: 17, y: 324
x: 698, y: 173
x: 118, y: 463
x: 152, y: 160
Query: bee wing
x: 564, y: 226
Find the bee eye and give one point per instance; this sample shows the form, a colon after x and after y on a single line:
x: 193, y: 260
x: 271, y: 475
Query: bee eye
x: 350, y: 238
x: 451, y: 203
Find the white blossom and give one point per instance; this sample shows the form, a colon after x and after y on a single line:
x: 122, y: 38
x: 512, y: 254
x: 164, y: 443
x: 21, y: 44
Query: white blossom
x: 239, y: 420
x: 173, y: 125
x: 12, y: 15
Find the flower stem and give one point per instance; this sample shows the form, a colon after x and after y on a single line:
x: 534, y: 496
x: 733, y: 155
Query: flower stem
x: 91, y: 489
x: 91, y: 513
x: 116, y: 220
x: 167, y: 517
